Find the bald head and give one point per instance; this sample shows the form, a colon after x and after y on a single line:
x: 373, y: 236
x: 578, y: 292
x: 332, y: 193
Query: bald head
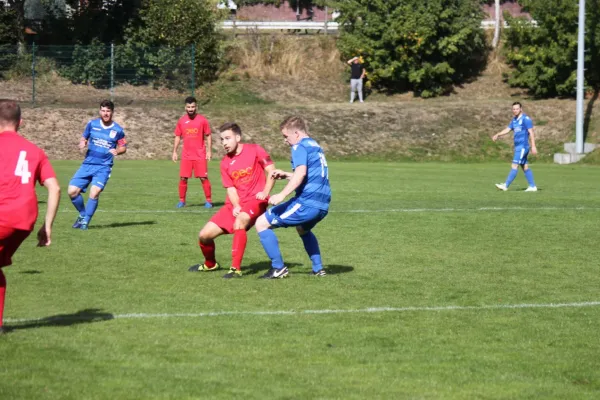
x: 10, y: 115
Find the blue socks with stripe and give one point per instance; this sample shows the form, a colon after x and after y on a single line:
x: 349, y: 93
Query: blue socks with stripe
x: 79, y: 205
x: 529, y: 176
x: 311, y: 245
x: 90, y: 209
x: 269, y: 241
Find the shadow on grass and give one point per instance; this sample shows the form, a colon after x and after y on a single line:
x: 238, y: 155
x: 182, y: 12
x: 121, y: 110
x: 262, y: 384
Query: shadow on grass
x: 215, y: 204
x: 266, y: 265
x: 122, y: 224
x: 31, y: 272
x: 80, y: 317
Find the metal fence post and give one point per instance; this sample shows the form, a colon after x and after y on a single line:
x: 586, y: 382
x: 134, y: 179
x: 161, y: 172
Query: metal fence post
x: 193, y: 77
x: 112, y: 72
x: 33, y: 73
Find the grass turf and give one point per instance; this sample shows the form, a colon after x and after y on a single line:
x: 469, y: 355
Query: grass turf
x: 86, y: 313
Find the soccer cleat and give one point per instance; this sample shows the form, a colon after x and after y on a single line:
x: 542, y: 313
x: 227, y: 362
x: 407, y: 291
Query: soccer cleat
x: 320, y: 272
x: 78, y: 222
x: 203, y: 267
x: 181, y: 204
x: 233, y: 273
x: 531, y: 189
x: 501, y: 186
x: 83, y: 226
x: 276, y: 273
x: 208, y: 204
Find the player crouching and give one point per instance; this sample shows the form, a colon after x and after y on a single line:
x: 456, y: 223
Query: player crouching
x: 244, y: 172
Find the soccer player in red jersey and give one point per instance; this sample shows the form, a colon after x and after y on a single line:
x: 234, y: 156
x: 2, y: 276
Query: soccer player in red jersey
x: 193, y: 128
x: 22, y: 164
x: 244, y: 172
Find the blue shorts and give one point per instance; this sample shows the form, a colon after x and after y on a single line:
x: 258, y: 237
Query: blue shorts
x: 520, y: 157
x: 97, y: 175
x: 292, y: 213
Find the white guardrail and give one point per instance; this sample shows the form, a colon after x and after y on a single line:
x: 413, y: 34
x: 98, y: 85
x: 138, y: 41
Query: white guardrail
x: 307, y: 25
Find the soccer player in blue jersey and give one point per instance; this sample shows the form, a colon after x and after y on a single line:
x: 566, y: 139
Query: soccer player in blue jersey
x: 104, y: 139
x: 522, y: 126
x: 310, y: 204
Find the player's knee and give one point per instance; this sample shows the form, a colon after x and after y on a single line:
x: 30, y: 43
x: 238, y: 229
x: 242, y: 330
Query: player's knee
x: 262, y: 224
x: 301, y: 231
x: 73, y: 191
x: 242, y: 221
x: 183, y: 179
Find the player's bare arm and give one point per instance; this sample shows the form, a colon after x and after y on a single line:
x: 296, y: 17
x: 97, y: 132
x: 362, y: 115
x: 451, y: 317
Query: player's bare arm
x: 175, y: 147
x: 235, y: 200
x: 44, y: 235
x: 295, y: 181
x: 82, y: 143
x: 118, y: 151
x: 532, y: 138
x: 269, y: 185
x: 501, y: 133
x: 350, y: 61
x: 280, y: 174
x: 209, y: 146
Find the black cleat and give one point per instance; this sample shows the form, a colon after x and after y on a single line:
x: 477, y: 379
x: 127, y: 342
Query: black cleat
x: 320, y: 272
x: 203, y: 267
x: 233, y: 273
x: 275, y: 273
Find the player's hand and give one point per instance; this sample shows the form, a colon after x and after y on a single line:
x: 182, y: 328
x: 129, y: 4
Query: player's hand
x: 276, y: 199
x: 43, y: 236
x: 261, y: 195
x: 495, y: 137
x: 174, y: 157
x: 236, y: 211
x: 208, y: 155
x: 278, y: 174
x: 113, y: 152
x: 82, y: 144
x: 534, y: 150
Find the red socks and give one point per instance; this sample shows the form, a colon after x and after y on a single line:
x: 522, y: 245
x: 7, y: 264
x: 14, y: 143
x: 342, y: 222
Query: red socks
x: 2, y: 294
x: 182, y: 190
x: 208, y: 250
x: 207, y: 189
x: 238, y: 247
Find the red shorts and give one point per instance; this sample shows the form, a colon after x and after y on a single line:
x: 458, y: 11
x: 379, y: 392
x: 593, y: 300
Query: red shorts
x: 198, y: 166
x: 10, y: 240
x: 224, y: 218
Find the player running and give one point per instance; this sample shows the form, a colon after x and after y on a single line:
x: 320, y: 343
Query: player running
x: 22, y: 164
x: 310, y: 205
x: 243, y: 171
x: 522, y: 126
x: 193, y: 128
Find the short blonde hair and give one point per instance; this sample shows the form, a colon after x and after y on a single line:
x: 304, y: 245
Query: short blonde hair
x: 294, y: 123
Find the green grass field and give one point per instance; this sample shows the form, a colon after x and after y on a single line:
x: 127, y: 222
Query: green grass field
x: 439, y: 286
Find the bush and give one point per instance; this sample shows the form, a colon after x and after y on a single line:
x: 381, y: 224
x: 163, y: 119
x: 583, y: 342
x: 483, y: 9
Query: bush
x: 421, y: 45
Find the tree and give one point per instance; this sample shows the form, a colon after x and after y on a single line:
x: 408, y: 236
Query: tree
x: 421, y: 45
x: 544, y: 56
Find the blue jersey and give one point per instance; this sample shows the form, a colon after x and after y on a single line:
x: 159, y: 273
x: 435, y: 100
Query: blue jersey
x: 314, y: 191
x: 100, y: 140
x: 520, y: 126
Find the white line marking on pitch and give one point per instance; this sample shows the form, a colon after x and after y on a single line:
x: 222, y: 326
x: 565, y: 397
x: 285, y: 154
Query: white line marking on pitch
x: 389, y: 210
x: 310, y: 312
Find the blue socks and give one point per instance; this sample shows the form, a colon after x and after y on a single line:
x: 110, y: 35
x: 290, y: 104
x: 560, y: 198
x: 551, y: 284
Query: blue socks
x: 311, y: 245
x: 511, y: 176
x: 90, y: 209
x: 271, y: 245
x: 529, y: 176
x: 78, y: 203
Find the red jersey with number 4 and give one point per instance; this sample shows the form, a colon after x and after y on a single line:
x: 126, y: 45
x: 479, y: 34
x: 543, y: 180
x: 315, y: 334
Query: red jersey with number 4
x: 246, y: 171
x: 22, y: 164
x: 193, y: 131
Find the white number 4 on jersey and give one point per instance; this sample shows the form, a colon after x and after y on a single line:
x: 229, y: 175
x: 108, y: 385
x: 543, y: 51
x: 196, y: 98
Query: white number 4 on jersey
x: 22, y: 169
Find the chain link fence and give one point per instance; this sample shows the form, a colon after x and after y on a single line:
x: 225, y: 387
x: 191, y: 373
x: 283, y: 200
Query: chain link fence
x: 84, y: 75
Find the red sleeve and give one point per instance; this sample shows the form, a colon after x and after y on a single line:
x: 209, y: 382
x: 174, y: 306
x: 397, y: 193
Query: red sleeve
x: 206, y: 128
x: 45, y: 170
x: 178, y: 130
x: 264, y: 159
x: 225, y: 178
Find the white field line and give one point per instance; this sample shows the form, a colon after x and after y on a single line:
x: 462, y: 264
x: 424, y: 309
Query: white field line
x: 313, y: 312
x: 387, y: 210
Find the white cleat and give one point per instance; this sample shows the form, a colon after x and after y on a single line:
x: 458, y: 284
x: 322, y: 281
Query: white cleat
x: 501, y: 186
x: 531, y: 189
